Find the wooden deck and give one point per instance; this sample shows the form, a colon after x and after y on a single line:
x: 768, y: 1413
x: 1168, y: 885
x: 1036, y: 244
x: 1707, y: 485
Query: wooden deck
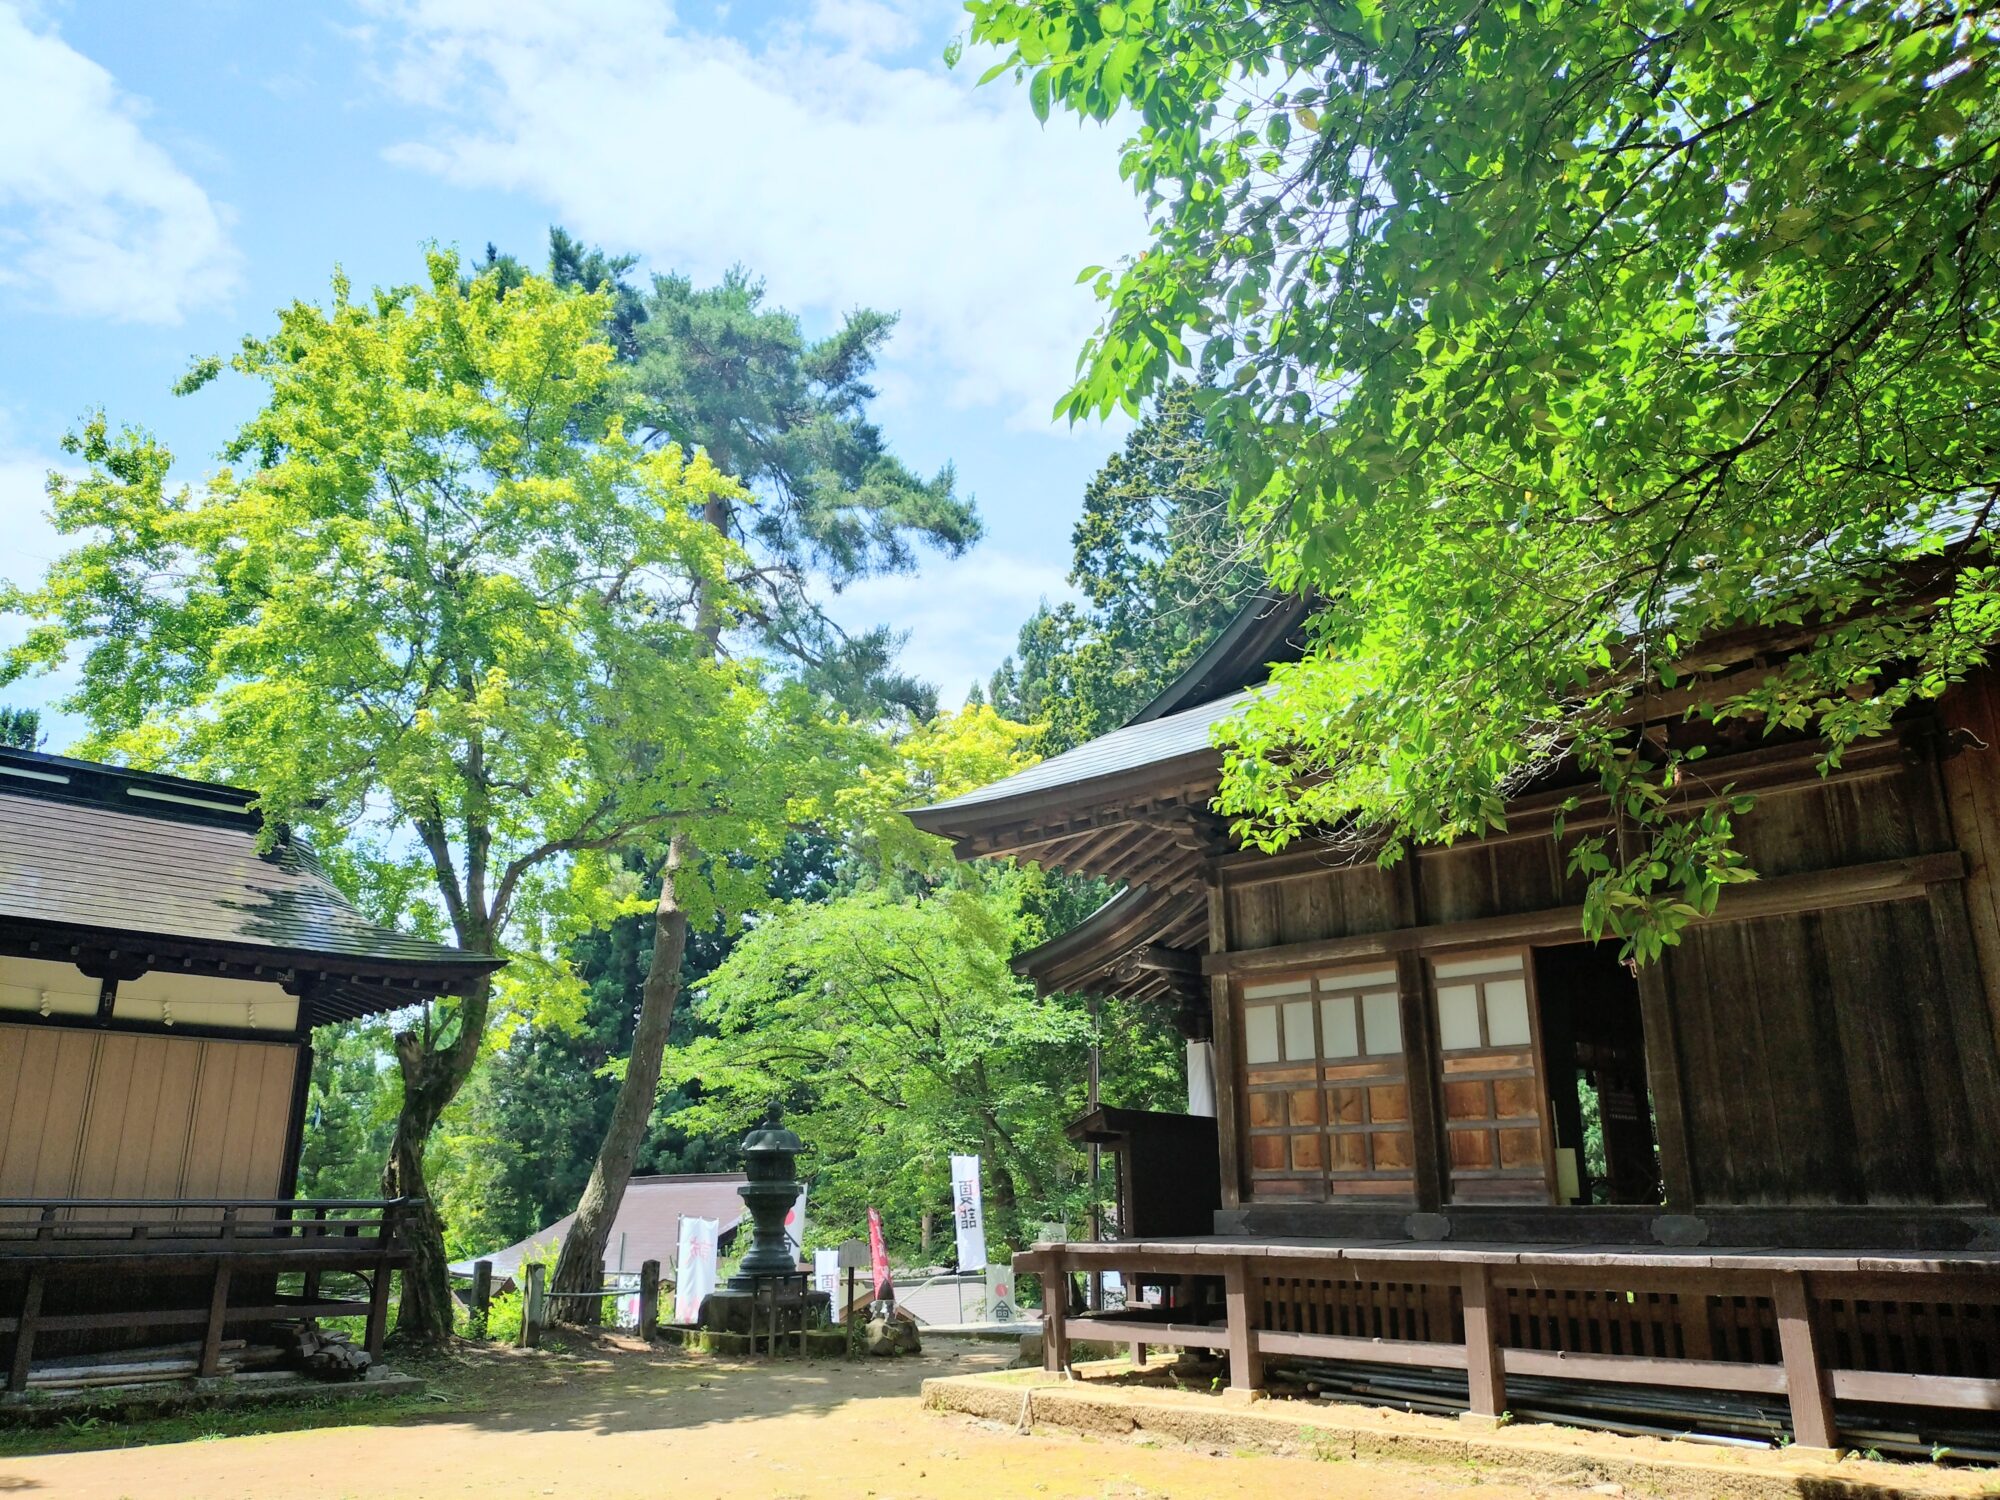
x: 142, y: 1264
x: 1894, y: 1327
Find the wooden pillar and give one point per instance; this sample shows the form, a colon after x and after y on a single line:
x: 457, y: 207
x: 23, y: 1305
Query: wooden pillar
x: 1663, y: 1072
x: 1486, y: 1377
x: 1663, y: 1080
x: 210, y: 1362
x: 531, y: 1308
x: 1055, y: 1314
x: 377, y: 1327
x: 1223, y: 1037
x: 218, y: 1303
x: 482, y: 1296
x: 24, y: 1334
x: 1805, y: 1370
x: 1246, y: 1366
x: 649, y: 1299
x: 1424, y: 1072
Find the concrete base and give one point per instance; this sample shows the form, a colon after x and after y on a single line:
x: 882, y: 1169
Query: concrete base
x: 728, y: 1310
x: 1537, y: 1454
x: 1239, y: 1395
x: 160, y: 1398
x: 821, y: 1343
x: 1478, y: 1421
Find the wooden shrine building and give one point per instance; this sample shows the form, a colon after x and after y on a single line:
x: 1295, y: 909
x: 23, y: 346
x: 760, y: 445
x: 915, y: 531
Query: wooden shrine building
x: 1454, y: 1136
x: 160, y: 978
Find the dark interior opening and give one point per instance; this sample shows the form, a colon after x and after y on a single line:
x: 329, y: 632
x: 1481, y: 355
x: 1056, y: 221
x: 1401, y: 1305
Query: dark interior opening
x: 1594, y: 1048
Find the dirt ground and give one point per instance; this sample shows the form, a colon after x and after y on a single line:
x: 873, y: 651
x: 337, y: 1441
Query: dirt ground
x: 608, y: 1423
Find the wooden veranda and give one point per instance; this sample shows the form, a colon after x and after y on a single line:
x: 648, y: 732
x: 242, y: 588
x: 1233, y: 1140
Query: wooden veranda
x: 136, y: 1268
x: 1899, y: 1328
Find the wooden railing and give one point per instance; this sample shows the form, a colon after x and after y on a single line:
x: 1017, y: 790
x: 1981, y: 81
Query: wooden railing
x: 95, y: 1249
x: 1655, y: 1318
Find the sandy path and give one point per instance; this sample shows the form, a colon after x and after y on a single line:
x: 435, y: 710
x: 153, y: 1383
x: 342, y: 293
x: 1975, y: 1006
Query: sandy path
x: 682, y: 1428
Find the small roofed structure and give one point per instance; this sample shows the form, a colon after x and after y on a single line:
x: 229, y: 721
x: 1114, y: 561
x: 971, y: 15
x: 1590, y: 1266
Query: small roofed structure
x: 1452, y: 1136
x: 160, y: 978
x: 647, y: 1228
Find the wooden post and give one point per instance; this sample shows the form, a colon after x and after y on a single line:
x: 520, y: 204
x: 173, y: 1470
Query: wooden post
x: 1486, y: 1378
x: 1805, y: 1371
x: 1422, y: 1075
x: 377, y: 1327
x: 1055, y: 1313
x: 1094, y: 1283
x: 1663, y: 1073
x: 218, y: 1304
x: 24, y: 1334
x: 482, y: 1296
x: 1246, y: 1367
x: 532, y: 1297
x: 649, y: 1298
x: 218, y: 1309
x: 1222, y: 1038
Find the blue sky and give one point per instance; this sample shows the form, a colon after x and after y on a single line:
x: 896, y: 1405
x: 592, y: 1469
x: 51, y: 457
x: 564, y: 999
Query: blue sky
x: 171, y: 173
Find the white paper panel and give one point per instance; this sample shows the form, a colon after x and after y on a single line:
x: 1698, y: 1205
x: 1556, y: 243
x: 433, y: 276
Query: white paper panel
x: 1260, y: 1034
x: 1383, y: 1018
x: 1272, y: 991
x: 1336, y: 1022
x: 1299, y: 1030
x: 1493, y: 963
x: 1507, y: 1013
x: 1458, y: 1016
x: 1348, y: 983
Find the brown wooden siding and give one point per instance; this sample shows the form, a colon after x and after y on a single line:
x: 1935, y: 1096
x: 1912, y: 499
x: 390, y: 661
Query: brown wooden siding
x: 96, y: 1114
x: 1837, y: 1057
x: 1306, y: 907
x: 1971, y: 780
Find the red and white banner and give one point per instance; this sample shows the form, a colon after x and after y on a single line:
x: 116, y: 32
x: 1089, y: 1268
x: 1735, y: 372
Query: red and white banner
x: 878, y: 1255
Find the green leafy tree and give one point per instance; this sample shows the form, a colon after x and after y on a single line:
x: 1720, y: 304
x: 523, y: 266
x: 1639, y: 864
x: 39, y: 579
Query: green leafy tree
x: 787, y: 415
x: 888, y: 1023
x: 350, y: 1111
x: 534, y: 1115
x: 894, y: 1033
x: 824, y: 502
x: 21, y: 728
x: 1549, y: 342
x: 1162, y: 568
x: 444, y: 617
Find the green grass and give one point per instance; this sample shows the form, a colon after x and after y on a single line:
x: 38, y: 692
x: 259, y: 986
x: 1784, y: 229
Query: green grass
x: 467, y: 1379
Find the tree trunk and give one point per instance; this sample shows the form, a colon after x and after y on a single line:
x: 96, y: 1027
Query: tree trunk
x: 581, y: 1267
x: 432, y: 1077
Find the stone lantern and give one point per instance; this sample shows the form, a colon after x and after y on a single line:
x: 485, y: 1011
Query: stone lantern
x: 770, y: 1156
x: 768, y: 1274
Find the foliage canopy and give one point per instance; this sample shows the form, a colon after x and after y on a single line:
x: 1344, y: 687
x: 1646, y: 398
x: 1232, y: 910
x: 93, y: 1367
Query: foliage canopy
x: 1550, y: 340
x: 447, y: 617
x: 1162, y: 568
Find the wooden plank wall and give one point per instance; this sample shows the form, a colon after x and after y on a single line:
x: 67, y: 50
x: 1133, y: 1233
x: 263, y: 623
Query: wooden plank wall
x: 105, y: 1114
x: 1839, y: 1057
x: 1850, y: 1056
x: 1971, y: 778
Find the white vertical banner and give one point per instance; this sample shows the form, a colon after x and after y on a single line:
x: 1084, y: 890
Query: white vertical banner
x: 826, y: 1277
x: 1201, y: 1078
x: 968, y: 1216
x: 795, y: 1226
x: 694, y: 1267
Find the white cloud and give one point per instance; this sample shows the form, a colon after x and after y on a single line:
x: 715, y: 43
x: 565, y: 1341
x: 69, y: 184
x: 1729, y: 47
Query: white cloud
x: 96, y: 219
x: 963, y: 614
x: 834, y: 154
